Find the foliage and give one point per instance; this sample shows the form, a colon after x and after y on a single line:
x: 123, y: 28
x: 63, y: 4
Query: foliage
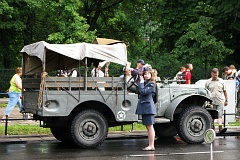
x: 70, y: 27
x: 180, y: 20
x: 6, y: 76
x: 198, y: 42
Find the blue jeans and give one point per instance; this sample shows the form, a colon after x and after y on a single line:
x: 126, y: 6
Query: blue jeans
x: 14, y: 98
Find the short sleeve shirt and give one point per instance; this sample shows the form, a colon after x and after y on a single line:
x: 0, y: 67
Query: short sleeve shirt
x: 217, y: 89
x: 188, y: 75
x: 99, y: 73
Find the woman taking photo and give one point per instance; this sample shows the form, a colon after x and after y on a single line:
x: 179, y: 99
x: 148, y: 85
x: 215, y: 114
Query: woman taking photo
x: 146, y: 106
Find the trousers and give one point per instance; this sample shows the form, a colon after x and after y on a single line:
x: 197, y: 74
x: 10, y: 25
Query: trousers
x: 14, y: 98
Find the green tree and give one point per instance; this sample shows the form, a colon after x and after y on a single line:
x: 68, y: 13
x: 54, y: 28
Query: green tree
x: 10, y: 25
x: 70, y: 27
x: 199, y: 46
x: 176, y: 16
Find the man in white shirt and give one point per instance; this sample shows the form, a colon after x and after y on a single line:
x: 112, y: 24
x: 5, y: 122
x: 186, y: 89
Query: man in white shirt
x: 97, y: 72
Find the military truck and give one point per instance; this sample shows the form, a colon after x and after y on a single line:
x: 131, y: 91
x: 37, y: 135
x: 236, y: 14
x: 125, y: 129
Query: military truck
x: 77, y: 112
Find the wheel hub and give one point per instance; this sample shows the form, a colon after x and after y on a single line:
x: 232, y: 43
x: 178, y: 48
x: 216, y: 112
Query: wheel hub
x: 196, y: 125
x: 89, y: 129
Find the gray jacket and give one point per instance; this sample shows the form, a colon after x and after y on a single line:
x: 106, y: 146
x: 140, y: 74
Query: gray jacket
x: 145, y: 103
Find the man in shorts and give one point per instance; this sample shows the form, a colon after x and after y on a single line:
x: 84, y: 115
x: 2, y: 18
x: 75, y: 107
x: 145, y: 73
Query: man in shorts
x: 219, y: 95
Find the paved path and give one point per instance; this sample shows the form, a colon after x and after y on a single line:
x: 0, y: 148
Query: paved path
x: 14, y: 115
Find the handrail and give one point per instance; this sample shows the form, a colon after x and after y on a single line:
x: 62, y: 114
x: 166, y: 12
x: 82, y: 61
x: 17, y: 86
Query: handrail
x: 14, y: 119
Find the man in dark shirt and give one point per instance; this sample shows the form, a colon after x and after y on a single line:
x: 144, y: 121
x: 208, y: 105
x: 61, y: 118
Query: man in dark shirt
x: 138, y: 70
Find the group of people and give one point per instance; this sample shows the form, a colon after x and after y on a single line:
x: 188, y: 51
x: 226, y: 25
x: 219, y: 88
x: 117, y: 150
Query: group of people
x: 229, y: 72
x: 217, y: 88
x: 185, y: 74
x: 74, y: 72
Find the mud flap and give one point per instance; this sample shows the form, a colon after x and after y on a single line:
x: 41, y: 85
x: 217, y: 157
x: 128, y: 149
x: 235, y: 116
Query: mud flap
x: 213, y: 113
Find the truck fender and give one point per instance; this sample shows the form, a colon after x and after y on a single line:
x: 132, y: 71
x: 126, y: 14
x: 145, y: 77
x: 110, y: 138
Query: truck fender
x: 174, y: 104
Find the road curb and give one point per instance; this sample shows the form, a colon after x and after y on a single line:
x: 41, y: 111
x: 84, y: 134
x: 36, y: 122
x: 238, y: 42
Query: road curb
x: 49, y: 137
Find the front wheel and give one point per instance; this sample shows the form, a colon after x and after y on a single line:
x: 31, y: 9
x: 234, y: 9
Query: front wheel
x: 89, y: 129
x: 193, y: 122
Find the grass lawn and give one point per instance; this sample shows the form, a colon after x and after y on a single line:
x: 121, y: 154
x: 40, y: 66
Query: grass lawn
x: 17, y: 129
x: 236, y: 123
x: 24, y: 130
x: 128, y: 127
x: 3, y: 104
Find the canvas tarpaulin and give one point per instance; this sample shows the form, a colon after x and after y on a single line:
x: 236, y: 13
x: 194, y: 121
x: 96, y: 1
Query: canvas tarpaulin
x: 41, y: 55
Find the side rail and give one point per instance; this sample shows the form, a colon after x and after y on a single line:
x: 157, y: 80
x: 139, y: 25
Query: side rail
x: 73, y: 83
x: 31, y: 83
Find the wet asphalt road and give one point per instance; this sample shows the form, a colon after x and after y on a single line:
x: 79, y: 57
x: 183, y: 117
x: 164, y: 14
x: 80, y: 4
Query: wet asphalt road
x: 225, y: 148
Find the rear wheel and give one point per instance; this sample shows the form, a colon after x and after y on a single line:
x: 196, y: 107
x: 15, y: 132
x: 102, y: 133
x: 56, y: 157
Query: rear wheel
x: 193, y: 122
x: 89, y: 129
x: 61, y: 133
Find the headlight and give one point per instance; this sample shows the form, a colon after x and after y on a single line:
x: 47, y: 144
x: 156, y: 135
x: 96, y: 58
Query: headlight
x: 203, y: 91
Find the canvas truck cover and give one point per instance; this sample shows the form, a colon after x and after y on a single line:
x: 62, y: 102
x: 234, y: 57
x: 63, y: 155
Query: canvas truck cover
x: 42, y: 56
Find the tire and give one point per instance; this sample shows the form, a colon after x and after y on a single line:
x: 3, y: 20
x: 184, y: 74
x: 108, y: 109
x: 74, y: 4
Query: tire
x: 62, y: 134
x: 193, y: 122
x: 89, y: 129
x: 165, y: 130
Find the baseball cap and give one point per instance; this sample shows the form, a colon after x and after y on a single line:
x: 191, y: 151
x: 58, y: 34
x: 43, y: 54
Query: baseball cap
x: 140, y: 61
x: 146, y: 69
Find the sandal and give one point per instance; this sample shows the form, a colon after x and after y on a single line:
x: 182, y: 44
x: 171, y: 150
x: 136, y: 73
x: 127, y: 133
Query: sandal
x: 148, y: 149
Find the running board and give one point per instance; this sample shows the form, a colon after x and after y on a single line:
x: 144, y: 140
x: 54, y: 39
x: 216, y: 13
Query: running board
x: 158, y: 120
